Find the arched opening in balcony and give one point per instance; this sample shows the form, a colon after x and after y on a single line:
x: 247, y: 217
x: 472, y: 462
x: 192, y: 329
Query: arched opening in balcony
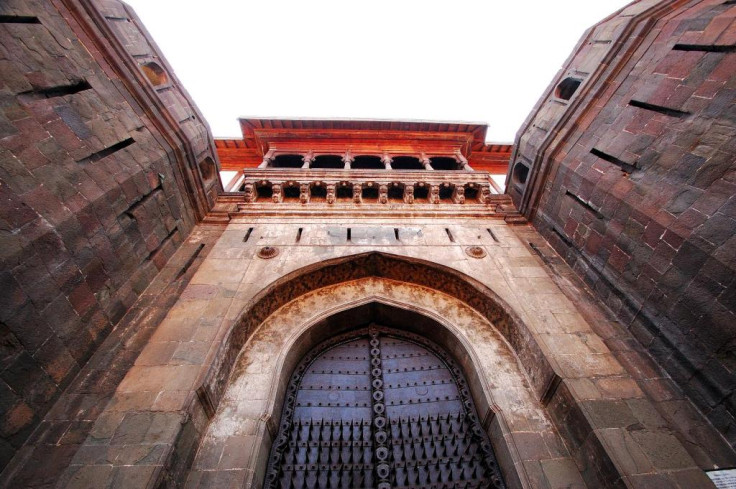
x: 406, y: 163
x: 287, y: 161
x: 328, y: 162
x: 367, y: 162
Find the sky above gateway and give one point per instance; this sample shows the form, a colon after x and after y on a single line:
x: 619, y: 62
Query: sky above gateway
x: 480, y: 61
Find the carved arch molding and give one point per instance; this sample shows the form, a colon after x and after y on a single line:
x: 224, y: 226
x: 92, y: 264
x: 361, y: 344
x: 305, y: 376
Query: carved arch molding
x: 374, y: 264
x: 380, y: 408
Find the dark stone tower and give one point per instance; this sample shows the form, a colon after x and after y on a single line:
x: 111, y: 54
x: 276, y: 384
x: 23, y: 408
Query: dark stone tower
x: 627, y: 166
x: 106, y: 166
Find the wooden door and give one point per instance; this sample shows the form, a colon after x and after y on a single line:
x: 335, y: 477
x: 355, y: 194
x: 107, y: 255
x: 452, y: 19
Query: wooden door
x: 379, y: 408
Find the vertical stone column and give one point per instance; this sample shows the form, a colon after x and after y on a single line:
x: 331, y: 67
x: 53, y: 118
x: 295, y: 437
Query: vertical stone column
x: 383, y: 194
x: 484, y: 195
x: 426, y: 161
x: 387, y: 160
x: 348, y: 159
x: 250, y: 192
x: 331, y: 193
x: 434, y: 194
x: 357, y: 193
x: 308, y: 159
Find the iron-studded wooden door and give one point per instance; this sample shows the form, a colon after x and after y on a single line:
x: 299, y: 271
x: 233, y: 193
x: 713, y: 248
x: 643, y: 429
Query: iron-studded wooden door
x: 379, y: 408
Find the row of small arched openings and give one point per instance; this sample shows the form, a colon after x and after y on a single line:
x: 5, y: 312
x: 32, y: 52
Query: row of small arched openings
x: 344, y: 192
x: 364, y: 162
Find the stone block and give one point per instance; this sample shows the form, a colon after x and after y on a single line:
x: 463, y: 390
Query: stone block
x: 562, y: 473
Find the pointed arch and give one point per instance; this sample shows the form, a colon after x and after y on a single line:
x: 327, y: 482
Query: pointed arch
x: 542, y: 377
x: 256, y: 390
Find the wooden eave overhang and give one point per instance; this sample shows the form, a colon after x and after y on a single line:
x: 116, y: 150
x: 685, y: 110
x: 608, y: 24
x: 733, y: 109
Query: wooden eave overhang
x: 369, y: 137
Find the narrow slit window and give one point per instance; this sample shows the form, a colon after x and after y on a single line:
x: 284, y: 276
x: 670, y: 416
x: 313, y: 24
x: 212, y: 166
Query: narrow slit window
x: 708, y: 48
x: 107, y: 151
x: 18, y: 19
x: 449, y: 235
x: 626, y: 167
x: 247, y: 235
x: 57, y: 91
x: 658, y: 108
x: 299, y: 235
x: 585, y: 204
x: 492, y: 235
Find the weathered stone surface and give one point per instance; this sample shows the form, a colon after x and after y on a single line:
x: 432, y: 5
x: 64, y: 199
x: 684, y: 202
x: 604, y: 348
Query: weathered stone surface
x: 94, y: 201
x: 632, y: 181
x: 77, y: 416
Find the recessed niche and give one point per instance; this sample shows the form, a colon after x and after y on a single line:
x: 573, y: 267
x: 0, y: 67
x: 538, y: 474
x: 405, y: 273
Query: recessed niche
x: 207, y: 168
x: 344, y: 192
x: 567, y: 88
x: 155, y: 74
x: 395, y: 192
x: 264, y: 192
x: 445, y: 192
x: 291, y: 192
x: 521, y: 172
x: 421, y: 193
x: 318, y: 192
x: 370, y: 193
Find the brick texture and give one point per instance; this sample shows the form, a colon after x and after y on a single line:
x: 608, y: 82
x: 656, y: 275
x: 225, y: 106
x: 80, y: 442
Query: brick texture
x: 633, y: 181
x: 97, y: 192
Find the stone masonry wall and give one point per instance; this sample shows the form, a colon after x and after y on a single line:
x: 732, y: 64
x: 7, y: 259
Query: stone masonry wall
x: 102, y: 177
x: 596, y: 423
x: 632, y: 179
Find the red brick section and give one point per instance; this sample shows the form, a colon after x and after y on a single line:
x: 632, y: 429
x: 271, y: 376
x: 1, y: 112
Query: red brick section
x: 633, y: 181
x: 99, y: 185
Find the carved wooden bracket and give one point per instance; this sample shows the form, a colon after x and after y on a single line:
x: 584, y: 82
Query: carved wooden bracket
x: 277, y: 196
x: 304, y: 193
x: 408, y: 194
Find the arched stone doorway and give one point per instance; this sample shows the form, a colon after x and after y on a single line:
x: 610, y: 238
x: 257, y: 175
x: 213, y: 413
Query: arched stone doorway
x: 240, y: 435
x: 380, y: 408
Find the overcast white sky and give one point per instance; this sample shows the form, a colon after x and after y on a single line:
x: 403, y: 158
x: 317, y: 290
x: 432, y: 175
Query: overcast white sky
x: 479, y: 61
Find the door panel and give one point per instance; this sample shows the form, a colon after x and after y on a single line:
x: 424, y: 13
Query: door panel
x: 379, y: 408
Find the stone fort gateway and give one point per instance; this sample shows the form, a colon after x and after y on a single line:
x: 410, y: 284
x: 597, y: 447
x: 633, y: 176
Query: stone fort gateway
x: 358, y: 304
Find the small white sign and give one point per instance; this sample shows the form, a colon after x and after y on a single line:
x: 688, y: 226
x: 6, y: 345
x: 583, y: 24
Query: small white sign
x: 723, y: 479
